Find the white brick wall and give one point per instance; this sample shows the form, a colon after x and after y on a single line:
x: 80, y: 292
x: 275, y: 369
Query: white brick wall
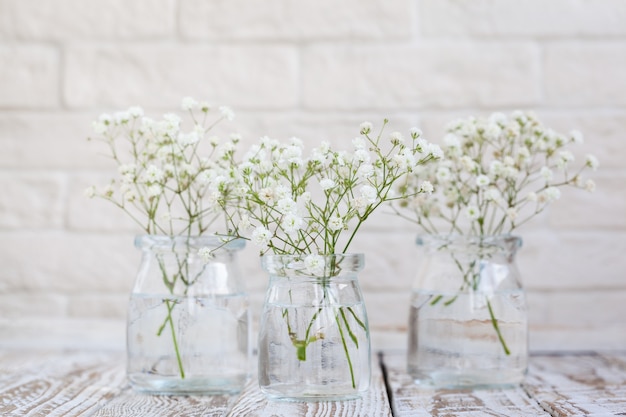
x: 313, y: 70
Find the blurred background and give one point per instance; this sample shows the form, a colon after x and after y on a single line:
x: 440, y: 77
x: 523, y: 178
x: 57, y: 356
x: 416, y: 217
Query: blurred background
x: 314, y: 70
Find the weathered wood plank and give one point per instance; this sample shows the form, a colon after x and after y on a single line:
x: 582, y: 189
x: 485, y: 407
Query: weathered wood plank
x: 374, y: 403
x: 579, y: 385
x: 58, y: 383
x: 130, y: 403
x: 410, y: 400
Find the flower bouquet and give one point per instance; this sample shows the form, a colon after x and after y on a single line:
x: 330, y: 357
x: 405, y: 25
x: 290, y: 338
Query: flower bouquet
x: 303, y: 210
x: 468, y: 321
x: 188, y: 316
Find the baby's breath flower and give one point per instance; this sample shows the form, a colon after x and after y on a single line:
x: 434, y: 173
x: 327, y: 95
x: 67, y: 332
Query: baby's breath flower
x: 590, y: 185
x: 90, y: 191
x: 291, y: 223
x: 472, y: 212
x: 546, y: 173
x: 261, y: 236
x: 206, y: 254
x: 188, y: 103
x: 482, y: 181
x: 315, y: 264
x: 415, y: 132
x: 426, y: 187
x: 592, y: 162
x: 491, y: 170
x: 327, y: 183
x: 335, y: 223
x: 396, y: 138
x: 227, y: 112
x: 365, y: 128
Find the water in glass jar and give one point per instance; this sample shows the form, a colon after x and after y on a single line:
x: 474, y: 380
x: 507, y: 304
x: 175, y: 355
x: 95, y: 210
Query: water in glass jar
x: 453, y: 342
x: 334, y: 365
x: 209, y: 333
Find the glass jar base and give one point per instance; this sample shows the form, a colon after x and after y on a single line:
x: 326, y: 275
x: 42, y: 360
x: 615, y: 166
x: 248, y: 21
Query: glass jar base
x: 454, y: 379
x: 197, y: 385
x: 295, y: 393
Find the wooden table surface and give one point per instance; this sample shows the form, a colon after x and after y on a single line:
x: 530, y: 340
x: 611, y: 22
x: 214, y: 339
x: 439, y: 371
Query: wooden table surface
x: 88, y: 383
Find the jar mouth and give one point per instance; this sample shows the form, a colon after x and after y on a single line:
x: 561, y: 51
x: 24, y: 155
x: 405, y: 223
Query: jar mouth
x: 451, y: 242
x: 312, y: 264
x: 184, y: 243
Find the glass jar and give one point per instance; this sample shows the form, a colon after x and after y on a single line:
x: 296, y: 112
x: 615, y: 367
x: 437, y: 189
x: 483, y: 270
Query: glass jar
x: 314, y: 341
x: 188, y: 318
x: 468, y: 324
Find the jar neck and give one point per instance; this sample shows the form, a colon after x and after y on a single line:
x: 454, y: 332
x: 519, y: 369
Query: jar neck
x: 313, y: 266
x: 471, y: 246
x: 164, y: 243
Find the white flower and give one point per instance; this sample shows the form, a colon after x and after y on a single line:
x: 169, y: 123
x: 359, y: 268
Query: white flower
x: 546, y: 173
x: 99, y: 128
x: 565, y: 157
x: 154, y: 190
x: 205, y: 253
x: 365, y: 128
x: 396, y: 138
x: 369, y: 193
x: 531, y: 196
x: 472, y: 212
x: 493, y: 194
x: 361, y: 156
x: 365, y: 171
x: 482, y: 181
x: 592, y: 162
x: 415, y: 132
x: 496, y: 168
x: 90, y: 191
x: 550, y: 194
x: 468, y: 163
x: 511, y: 213
x: 327, y: 183
x: 286, y: 205
x: 188, y: 104
x: 590, y: 186
x: 315, y: 265
x: 227, y: 112
x: 426, y: 187
x: 304, y: 198
x: 335, y: 223
x: 261, y: 236
x: 359, y: 143
x: 135, y: 112
x: 244, y: 222
x: 443, y: 174
x: 291, y: 223
x: 576, y: 137
x: 452, y: 141
x: 434, y: 150
x: 267, y: 195
x: 153, y: 174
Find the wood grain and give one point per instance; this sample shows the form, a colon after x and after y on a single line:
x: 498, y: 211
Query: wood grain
x: 410, y: 400
x: 587, y: 384
x: 58, y: 384
x: 80, y: 383
x: 373, y: 404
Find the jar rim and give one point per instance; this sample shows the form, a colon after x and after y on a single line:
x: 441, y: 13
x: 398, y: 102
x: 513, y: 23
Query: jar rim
x: 458, y: 241
x: 184, y: 242
x: 297, y: 264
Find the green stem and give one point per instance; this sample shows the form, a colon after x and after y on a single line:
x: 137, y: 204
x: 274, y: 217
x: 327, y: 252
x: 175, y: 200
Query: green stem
x: 170, y: 307
x: 345, y: 349
x: 494, y: 321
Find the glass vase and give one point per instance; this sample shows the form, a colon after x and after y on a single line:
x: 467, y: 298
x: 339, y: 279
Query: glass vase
x: 314, y: 339
x: 188, y: 318
x: 468, y: 324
